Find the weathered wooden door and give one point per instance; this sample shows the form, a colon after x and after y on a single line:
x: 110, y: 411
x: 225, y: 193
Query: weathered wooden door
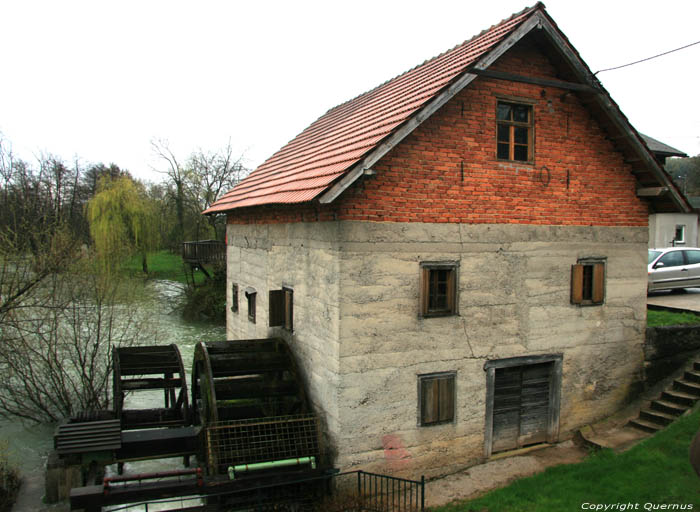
x: 521, y: 405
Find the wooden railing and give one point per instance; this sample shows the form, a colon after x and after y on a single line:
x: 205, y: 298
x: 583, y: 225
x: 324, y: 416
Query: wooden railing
x: 204, y: 251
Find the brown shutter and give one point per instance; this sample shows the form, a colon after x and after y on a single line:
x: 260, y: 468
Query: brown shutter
x: 576, y: 284
x: 276, y: 308
x: 424, y: 290
x: 451, y: 277
x: 598, y: 283
x: 447, y: 398
x: 430, y: 396
x: 288, y: 309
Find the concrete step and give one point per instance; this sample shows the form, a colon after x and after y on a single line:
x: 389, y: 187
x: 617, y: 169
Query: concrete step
x: 668, y: 407
x: 658, y: 417
x: 646, y: 426
x: 679, y: 397
x: 692, y: 376
x: 692, y: 388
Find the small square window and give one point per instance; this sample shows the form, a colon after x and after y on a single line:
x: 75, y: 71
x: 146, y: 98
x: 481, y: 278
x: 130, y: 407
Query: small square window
x: 679, y: 237
x: 588, y: 282
x: 438, y: 289
x: 282, y: 308
x: 514, y: 133
x: 250, y: 295
x: 234, y: 298
x: 436, y: 398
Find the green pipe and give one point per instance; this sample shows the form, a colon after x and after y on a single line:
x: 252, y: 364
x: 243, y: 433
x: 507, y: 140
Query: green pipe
x: 242, y: 468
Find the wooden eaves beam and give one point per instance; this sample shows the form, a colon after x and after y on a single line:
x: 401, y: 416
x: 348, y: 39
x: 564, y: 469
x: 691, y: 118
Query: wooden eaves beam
x: 651, y: 191
x: 545, y: 82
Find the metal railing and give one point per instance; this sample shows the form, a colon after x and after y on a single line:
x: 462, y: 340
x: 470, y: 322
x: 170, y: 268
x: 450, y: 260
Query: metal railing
x: 371, y: 492
x: 204, y: 251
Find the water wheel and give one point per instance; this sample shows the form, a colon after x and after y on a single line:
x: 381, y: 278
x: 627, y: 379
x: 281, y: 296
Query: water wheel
x: 151, y: 368
x: 243, y: 379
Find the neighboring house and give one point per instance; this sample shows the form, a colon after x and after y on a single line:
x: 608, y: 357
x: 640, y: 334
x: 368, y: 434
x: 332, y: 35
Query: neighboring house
x: 676, y: 228
x: 458, y: 256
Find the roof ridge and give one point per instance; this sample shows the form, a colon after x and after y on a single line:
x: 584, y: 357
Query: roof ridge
x: 538, y: 5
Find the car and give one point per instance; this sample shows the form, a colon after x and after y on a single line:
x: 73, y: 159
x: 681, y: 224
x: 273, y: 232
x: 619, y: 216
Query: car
x: 673, y: 268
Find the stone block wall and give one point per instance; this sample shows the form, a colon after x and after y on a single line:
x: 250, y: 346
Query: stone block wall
x: 513, y: 293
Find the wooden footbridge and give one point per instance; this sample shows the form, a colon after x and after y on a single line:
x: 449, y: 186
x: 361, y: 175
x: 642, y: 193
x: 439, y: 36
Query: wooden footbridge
x: 203, y: 252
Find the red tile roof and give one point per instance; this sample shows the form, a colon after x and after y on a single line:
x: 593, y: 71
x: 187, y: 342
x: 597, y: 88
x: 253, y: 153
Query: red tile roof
x: 320, y: 155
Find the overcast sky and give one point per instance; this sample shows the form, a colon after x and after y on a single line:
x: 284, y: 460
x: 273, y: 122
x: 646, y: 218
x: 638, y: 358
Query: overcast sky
x: 99, y: 80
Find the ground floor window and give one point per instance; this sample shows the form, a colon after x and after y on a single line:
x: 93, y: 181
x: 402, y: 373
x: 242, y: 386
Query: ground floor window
x: 436, y: 398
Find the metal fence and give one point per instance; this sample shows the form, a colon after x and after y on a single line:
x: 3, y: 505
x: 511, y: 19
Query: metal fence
x: 354, y: 491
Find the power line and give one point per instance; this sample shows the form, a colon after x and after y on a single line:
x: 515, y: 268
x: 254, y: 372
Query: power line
x: 649, y: 58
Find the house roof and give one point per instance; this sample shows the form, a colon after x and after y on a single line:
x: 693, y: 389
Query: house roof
x: 335, y: 150
x: 658, y: 147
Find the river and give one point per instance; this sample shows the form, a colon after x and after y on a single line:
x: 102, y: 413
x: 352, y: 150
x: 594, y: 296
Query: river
x: 29, y: 444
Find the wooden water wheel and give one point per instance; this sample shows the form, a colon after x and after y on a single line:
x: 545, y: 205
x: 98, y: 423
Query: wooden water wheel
x: 243, y: 379
x: 151, y: 368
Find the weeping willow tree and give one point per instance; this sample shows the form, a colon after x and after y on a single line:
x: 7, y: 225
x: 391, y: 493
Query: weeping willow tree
x: 122, y: 222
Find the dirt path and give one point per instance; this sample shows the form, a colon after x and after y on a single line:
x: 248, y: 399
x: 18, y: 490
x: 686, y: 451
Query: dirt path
x: 498, y: 473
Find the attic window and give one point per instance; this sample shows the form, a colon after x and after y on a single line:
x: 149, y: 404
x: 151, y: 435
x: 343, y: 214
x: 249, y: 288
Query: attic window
x: 515, y: 128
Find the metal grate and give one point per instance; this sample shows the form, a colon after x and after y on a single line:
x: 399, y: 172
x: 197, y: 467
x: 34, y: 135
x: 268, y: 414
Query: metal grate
x: 231, y: 443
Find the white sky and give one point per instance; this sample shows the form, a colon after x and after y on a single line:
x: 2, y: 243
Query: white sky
x: 99, y: 80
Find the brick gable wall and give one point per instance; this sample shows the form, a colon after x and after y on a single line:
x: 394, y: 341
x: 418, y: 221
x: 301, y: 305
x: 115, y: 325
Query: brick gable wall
x: 447, y: 171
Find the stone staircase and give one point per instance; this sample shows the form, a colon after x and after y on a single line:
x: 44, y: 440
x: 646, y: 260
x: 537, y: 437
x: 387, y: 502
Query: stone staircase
x: 680, y: 396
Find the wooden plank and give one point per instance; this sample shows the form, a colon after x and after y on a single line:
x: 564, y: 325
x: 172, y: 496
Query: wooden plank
x: 576, y: 284
x: 141, y: 384
x: 546, y: 82
x: 429, y: 401
x: 598, y: 283
x: 652, y: 191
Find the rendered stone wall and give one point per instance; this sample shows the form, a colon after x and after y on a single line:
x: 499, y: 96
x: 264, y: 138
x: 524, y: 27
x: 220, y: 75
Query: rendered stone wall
x: 514, y: 285
x: 303, y: 257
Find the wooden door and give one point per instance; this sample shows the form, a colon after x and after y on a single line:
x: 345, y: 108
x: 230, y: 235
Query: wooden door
x: 521, y: 405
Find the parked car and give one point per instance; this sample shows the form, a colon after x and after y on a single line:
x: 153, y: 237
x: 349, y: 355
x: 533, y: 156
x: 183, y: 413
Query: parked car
x: 673, y: 268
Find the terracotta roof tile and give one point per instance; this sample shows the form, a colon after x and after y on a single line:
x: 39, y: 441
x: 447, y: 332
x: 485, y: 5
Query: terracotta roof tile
x: 310, y: 163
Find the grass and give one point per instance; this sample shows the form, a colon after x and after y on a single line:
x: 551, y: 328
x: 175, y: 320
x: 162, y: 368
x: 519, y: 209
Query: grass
x: 658, y: 318
x: 656, y: 471
x: 161, y: 265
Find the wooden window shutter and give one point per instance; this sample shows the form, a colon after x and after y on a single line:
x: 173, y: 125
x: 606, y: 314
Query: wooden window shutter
x: 451, y: 278
x: 576, y: 284
x: 598, y: 283
x: 234, y: 298
x: 446, y: 392
x: 277, y: 308
x: 288, y: 309
x: 430, y: 397
x: 424, y: 290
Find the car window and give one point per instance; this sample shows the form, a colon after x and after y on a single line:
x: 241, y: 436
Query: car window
x: 693, y: 257
x: 672, y: 259
x: 653, y: 255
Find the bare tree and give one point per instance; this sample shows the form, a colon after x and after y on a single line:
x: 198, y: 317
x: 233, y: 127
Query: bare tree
x: 178, y: 176
x: 55, y: 354
x: 212, y: 174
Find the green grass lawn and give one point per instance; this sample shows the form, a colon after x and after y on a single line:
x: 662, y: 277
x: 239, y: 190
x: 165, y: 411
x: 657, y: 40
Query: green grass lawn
x: 655, y: 472
x: 161, y: 265
x: 657, y: 318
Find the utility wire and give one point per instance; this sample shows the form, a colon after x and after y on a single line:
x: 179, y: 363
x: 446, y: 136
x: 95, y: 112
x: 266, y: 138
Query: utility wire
x: 648, y: 58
